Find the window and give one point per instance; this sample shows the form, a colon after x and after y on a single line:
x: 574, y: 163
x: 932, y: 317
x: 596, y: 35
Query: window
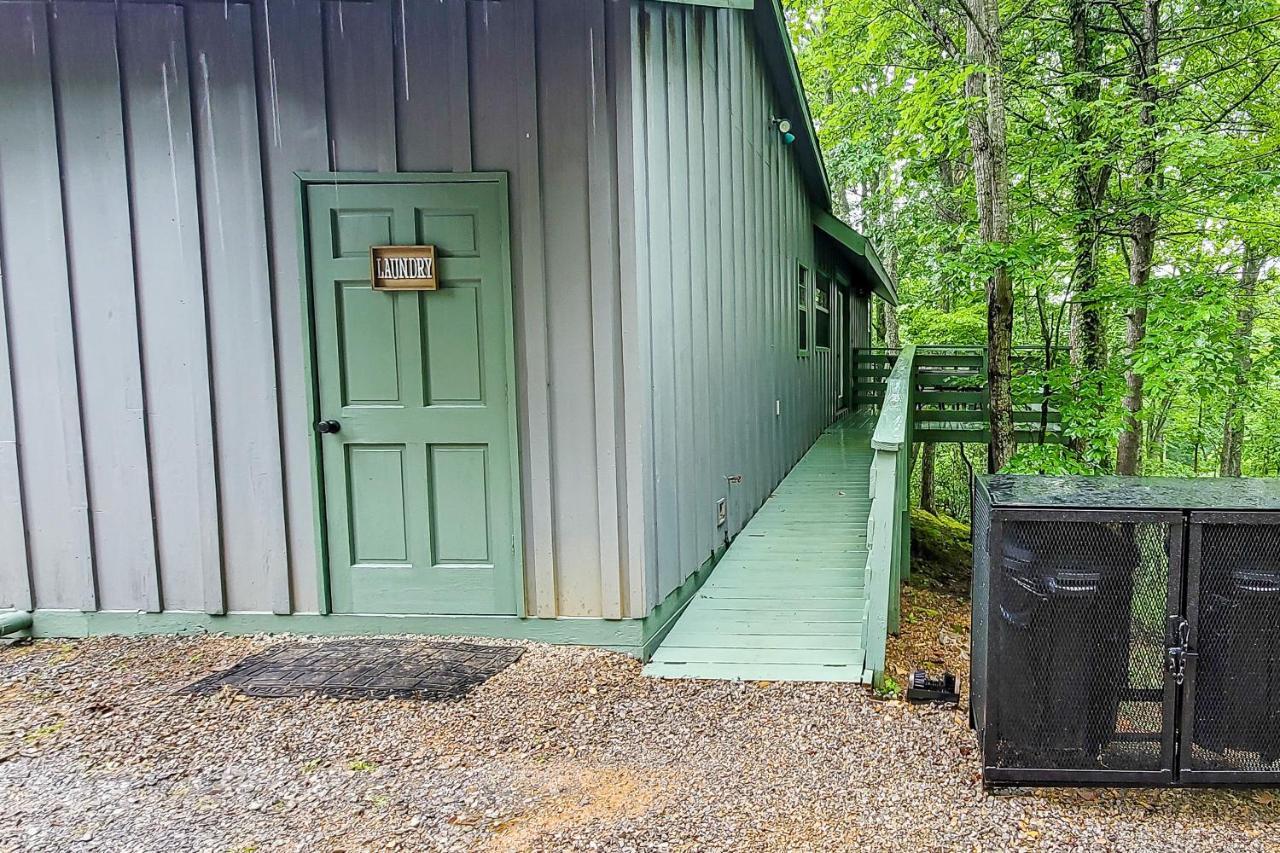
x: 822, y: 315
x: 802, y: 311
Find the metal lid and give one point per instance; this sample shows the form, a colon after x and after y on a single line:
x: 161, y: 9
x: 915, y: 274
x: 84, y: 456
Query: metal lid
x: 1193, y: 493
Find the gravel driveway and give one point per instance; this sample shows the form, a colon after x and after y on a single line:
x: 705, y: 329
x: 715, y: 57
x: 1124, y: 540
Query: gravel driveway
x: 569, y: 749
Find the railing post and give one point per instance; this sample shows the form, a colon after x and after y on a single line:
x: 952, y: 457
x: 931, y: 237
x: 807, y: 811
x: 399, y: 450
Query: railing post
x: 986, y: 390
x: 855, y: 376
x: 881, y: 539
x: 888, y: 525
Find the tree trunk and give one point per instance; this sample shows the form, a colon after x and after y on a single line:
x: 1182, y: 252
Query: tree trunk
x: 891, y: 338
x: 1233, y: 423
x: 1156, y: 427
x: 1142, y: 234
x: 1088, y: 353
x: 927, y: 489
x: 984, y: 90
x: 1090, y: 179
x: 1195, y: 448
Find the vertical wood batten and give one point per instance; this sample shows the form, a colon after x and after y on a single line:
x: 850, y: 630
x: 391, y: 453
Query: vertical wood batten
x: 100, y: 260
x: 602, y: 217
x: 423, y: 80
x: 759, y: 414
x: 15, y: 578
x: 653, y: 23
x: 39, y: 314
x: 703, y: 515
x: 360, y: 86
x: 459, y: 90
x: 289, y: 58
x: 506, y: 134
x: 724, y: 118
x: 739, y: 511
x: 714, y: 296
x: 634, y: 261
x: 171, y: 305
x: 679, y: 179
x: 766, y: 240
x: 564, y: 66
x: 241, y: 328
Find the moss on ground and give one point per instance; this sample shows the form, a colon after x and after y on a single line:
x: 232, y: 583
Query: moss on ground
x: 941, y: 555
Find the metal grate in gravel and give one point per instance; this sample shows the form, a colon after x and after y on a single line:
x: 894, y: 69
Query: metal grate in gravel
x: 363, y: 669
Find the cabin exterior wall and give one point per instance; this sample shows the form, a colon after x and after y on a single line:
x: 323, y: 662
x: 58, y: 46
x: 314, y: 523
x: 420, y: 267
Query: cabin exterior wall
x: 717, y: 385
x: 156, y: 445
x: 155, y: 440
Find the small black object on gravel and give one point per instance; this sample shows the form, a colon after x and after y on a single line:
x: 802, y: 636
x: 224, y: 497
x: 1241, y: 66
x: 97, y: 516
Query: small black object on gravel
x: 922, y: 688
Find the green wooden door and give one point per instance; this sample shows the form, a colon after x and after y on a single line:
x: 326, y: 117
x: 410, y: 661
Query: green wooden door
x: 420, y: 483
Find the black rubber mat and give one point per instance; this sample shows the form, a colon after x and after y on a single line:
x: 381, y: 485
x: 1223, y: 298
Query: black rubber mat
x: 363, y: 669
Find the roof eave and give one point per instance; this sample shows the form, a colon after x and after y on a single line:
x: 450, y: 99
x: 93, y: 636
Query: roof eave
x: 784, y: 73
x: 860, y: 254
x: 780, y: 62
x: 775, y: 44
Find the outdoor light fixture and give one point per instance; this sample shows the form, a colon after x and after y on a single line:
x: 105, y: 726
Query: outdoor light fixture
x: 784, y: 127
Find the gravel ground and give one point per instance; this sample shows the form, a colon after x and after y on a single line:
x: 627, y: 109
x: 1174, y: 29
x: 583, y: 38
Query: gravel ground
x: 569, y: 749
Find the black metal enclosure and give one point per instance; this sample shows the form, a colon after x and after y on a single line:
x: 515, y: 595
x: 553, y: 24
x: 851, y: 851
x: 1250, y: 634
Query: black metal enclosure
x: 1126, y: 631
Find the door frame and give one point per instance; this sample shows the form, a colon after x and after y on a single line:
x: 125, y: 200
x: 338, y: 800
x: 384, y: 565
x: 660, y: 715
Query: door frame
x: 306, y: 179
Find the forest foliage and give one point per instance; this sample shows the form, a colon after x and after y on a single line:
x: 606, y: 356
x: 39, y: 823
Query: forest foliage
x: 1136, y: 146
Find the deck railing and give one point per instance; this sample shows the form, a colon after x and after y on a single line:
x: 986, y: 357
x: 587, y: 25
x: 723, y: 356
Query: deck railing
x: 929, y: 394
x: 951, y: 396
x: 889, y: 525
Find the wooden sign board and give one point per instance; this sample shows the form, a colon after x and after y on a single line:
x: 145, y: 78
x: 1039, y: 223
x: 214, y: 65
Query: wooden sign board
x: 403, y: 268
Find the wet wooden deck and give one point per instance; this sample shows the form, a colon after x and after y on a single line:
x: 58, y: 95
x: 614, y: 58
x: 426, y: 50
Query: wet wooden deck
x: 786, y: 602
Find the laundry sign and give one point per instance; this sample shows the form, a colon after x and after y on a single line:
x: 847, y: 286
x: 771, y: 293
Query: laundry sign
x: 403, y: 268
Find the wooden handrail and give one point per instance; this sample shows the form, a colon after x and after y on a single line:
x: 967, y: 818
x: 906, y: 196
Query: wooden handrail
x: 888, y: 526
x: 895, y: 413
x: 949, y: 380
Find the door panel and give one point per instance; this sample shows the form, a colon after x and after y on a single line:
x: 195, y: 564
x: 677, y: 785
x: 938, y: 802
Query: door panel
x: 420, y: 496
x: 377, y: 504
x: 460, y: 503
x: 1231, y: 700
x: 454, y: 367
x: 354, y: 231
x: 1079, y: 604
x: 369, y: 354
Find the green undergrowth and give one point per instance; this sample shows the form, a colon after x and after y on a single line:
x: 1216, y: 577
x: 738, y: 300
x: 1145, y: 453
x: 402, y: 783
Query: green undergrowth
x: 941, y: 556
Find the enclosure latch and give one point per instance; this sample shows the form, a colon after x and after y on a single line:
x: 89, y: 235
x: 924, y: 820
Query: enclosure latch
x: 1179, y: 651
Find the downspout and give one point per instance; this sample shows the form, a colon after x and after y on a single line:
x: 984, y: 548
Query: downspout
x: 13, y: 621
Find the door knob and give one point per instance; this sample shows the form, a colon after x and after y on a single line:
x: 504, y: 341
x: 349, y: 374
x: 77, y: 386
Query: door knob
x: 326, y: 427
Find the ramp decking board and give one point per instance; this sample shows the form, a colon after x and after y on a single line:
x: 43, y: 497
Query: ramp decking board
x: 786, y: 601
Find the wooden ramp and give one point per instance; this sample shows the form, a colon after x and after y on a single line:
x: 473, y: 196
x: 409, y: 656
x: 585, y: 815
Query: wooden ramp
x: 786, y: 601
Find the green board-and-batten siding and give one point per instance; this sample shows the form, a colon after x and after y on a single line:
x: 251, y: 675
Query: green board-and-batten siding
x: 154, y: 436
x: 722, y: 221
x: 155, y: 441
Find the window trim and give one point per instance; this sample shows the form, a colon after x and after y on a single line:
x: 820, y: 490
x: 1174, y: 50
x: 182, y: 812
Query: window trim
x: 804, y: 308
x: 821, y: 277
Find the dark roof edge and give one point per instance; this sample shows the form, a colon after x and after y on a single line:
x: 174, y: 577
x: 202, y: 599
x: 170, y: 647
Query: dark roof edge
x: 775, y: 44
x: 859, y: 252
x: 780, y: 61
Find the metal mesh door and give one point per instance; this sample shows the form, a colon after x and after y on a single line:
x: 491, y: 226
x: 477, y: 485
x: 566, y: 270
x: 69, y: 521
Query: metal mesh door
x: 1231, y: 704
x: 1077, y: 622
